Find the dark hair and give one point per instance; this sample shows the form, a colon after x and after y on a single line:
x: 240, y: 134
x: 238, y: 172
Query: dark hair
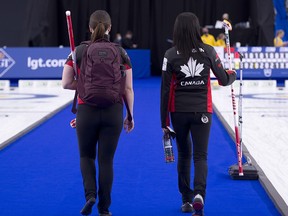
x: 99, y: 21
x: 186, y: 34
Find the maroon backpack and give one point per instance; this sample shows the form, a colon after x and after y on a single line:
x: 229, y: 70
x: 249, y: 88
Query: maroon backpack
x: 100, y: 82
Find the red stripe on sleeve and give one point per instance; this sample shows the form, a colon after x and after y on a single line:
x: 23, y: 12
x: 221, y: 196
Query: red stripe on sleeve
x: 127, y: 66
x: 209, y: 97
x: 171, y: 102
x: 70, y: 63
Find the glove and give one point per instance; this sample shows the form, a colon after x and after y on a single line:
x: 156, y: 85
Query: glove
x: 73, y: 123
x: 168, y: 131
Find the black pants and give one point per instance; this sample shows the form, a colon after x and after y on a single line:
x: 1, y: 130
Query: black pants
x: 102, y: 127
x: 197, y: 126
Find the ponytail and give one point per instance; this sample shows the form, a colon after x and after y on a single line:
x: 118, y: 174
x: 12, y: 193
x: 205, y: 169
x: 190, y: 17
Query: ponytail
x: 100, y: 22
x: 98, y: 32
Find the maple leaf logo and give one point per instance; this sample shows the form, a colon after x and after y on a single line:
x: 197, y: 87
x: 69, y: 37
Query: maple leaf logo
x: 192, y: 69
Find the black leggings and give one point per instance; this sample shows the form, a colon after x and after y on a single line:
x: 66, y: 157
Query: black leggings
x: 186, y: 125
x: 103, y: 127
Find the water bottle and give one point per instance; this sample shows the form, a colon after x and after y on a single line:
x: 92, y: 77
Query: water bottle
x: 168, y: 148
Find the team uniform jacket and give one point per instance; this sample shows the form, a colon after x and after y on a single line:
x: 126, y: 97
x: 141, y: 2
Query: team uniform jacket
x: 186, y: 85
x: 79, y: 51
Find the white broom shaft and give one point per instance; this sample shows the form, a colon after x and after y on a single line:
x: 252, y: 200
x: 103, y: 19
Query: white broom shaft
x: 237, y: 138
x: 240, y: 119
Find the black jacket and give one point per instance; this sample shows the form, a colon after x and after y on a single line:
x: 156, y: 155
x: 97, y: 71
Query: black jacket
x: 186, y: 85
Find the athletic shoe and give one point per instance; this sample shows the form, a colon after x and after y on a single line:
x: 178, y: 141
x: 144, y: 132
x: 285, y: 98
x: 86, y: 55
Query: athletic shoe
x: 105, y: 214
x: 87, y: 209
x: 198, y: 205
x: 187, y: 207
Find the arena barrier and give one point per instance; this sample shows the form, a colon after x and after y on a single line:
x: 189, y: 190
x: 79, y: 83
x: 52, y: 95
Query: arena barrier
x: 258, y: 62
x: 48, y: 62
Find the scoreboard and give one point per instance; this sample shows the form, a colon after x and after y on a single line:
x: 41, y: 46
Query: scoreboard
x: 258, y: 62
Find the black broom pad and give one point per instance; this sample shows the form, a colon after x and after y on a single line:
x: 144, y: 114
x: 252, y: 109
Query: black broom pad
x: 249, y: 171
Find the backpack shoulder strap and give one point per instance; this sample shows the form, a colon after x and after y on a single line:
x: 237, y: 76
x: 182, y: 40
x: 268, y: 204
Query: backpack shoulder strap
x: 80, y: 50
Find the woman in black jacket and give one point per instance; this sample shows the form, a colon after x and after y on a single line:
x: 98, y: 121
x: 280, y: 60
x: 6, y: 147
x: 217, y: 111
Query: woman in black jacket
x: 186, y: 96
